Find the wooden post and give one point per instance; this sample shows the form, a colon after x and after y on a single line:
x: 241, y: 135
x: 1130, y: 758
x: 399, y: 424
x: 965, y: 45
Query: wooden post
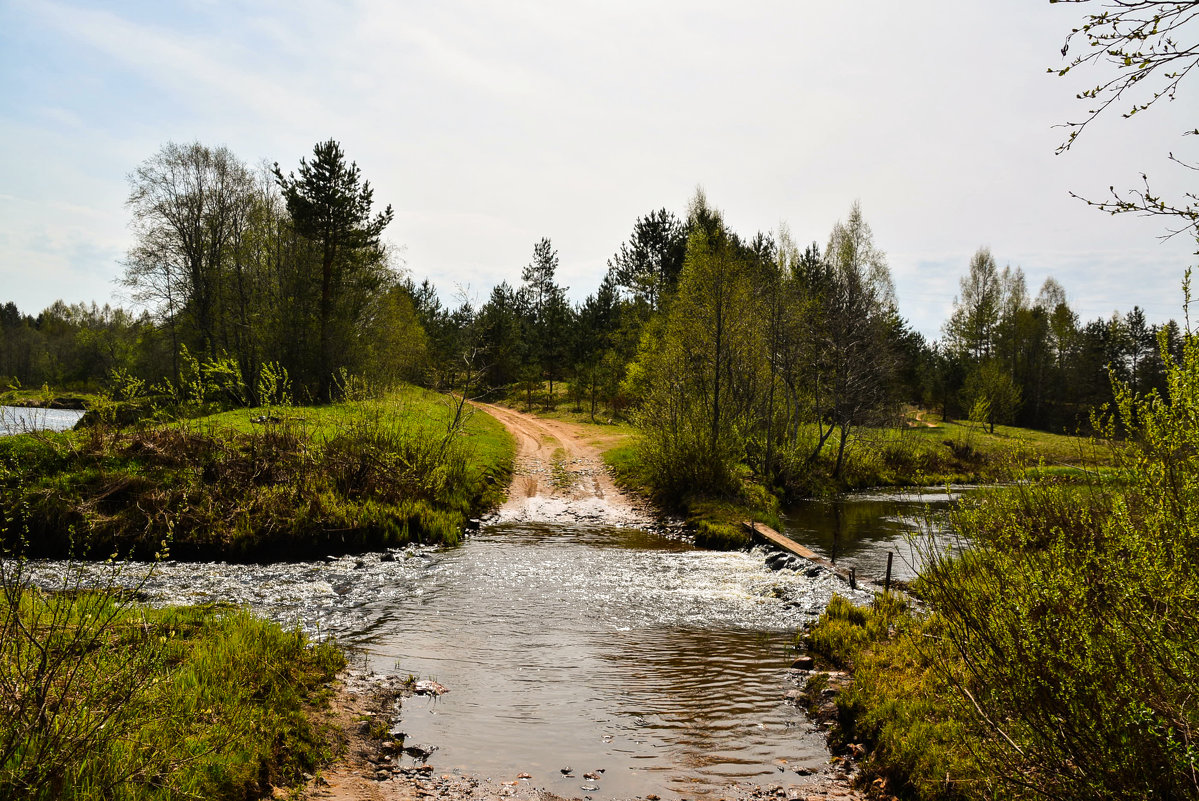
x: 853, y: 578
x: 887, y: 584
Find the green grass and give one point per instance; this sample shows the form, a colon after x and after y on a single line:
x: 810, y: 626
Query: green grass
x: 313, y: 481
x: 48, y: 398
x: 941, y: 454
x: 622, y: 460
x: 714, y: 522
x: 419, y: 412
x: 900, y: 706
x: 1043, y: 446
x: 106, y: 699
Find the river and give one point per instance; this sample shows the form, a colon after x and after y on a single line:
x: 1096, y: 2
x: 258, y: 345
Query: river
x: 583, y: 646
x: 19, y: 420
x: 858, y: 530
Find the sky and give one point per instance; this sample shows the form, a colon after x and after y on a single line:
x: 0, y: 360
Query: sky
x: 491, y: 124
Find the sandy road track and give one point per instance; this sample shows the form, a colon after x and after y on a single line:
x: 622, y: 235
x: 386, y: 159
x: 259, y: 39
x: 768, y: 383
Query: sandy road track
x: 560, y: 476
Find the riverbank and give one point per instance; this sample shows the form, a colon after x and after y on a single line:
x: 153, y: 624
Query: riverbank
x: 919, y: 455
x: 1055, y: 657
x: 45, y: 398
x: 280, y: 483
x: 104, y: 698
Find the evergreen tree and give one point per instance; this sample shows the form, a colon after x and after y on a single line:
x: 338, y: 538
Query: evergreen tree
x: 649, y: 263
x: 330, y: 206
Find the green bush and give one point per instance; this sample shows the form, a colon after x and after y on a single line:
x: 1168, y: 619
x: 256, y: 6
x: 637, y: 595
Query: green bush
x: 1059, y: 655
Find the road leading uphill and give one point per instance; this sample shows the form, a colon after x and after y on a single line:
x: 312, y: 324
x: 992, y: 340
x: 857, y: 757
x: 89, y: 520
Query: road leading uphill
x: 559, y: 475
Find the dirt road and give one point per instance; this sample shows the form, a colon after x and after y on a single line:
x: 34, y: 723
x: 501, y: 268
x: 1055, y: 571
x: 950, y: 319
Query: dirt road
x: 560, y: 476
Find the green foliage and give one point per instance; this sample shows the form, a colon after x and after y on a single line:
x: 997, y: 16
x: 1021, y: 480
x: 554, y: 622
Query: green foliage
x: 991, y: 395
x: 274, y: 385
x: 350, y: 387
x: 1060, y: 651
x: 342, y: 478
x: 330, y: 207
x: 1076, y: 610
x: 105, y: 699
x: 695, y: 411
x: 899, y: 706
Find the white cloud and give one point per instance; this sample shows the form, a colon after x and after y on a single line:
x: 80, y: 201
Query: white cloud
x: 489, y: 125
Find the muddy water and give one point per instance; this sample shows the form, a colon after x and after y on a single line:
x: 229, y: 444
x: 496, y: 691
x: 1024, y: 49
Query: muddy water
x: 610, y: 649
x: 859, y: 529
x: 577, y: 646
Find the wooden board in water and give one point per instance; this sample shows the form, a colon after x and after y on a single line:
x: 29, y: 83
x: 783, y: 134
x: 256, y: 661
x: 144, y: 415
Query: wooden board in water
x: 788, y: 544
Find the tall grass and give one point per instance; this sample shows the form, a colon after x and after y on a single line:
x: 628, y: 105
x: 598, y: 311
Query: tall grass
x: 900, y: 706
x: 102, y: 698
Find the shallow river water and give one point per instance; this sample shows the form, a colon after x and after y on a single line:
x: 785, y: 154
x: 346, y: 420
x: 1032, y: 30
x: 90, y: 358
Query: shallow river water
x: 859, y: 529
x: 18, y: 420
x: 589, y: 647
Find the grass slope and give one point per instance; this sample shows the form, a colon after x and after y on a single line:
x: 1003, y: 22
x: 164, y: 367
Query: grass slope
x: 311, y: 481
x: 106, y: 699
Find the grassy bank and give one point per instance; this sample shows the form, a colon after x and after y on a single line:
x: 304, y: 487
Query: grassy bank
x: 106, y: 699
x: 921, y: 454
x: 900, y: 709
x: 46, y: 398
x: 936, y: 453
x: 258, y: 484
x: 1057, y: 657
x: 714, y: 522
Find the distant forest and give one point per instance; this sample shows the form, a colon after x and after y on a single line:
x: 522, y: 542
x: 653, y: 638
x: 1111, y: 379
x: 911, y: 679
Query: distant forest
x: 704, y: 331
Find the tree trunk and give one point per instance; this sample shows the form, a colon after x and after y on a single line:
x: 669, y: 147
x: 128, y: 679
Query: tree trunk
x: 326, y: 315
x: 841, y: 450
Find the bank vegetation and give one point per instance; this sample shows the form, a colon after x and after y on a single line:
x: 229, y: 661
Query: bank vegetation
x: 268, y: 483
x: 103, y: 698
x: 1057, y: 656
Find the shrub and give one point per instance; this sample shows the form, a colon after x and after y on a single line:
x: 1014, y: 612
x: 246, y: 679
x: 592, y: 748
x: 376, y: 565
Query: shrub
x: 1076, y: 614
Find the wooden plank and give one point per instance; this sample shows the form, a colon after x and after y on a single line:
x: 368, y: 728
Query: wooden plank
x: 768, y: 534
x: 786, y: 543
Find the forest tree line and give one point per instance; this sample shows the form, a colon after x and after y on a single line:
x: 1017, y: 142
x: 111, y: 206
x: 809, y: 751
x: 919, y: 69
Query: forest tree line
x: 712, y: 339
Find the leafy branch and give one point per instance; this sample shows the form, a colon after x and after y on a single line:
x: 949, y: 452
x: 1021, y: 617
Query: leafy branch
x: 1152, y: 50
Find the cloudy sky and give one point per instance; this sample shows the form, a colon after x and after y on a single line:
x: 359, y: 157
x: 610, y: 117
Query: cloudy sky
x: 489, y: 125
